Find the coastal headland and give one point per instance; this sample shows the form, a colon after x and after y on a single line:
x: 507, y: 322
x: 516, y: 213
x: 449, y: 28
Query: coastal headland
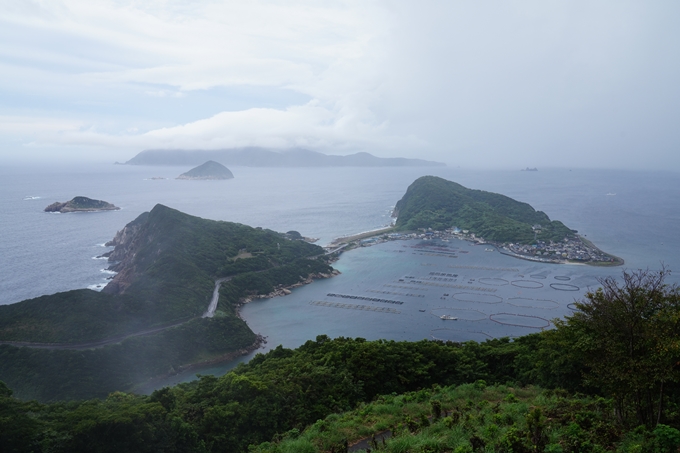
x: 434, y: 208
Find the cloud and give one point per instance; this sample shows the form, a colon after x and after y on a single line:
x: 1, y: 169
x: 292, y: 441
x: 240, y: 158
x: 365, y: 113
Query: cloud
x: 530, y: 82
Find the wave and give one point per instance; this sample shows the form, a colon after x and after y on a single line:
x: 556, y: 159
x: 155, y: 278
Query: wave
x: 30, y: 197
x: 96, y: 286
x: 106, y: 271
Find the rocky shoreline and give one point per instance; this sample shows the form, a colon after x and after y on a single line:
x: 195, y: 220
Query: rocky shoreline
x: 81, y: 204
x: 285, y: 290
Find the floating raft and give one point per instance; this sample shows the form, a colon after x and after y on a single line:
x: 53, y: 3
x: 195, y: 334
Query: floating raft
x: 369, y: 299
x: 323, y: 303
x: 484, y: 268
x: 446, y: 285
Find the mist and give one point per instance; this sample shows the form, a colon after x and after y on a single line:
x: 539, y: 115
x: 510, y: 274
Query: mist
x: 484, y: 84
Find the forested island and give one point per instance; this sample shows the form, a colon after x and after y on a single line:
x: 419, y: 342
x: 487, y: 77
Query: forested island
x: 435, y: 204
x: 148, y: 321
x: 262, y: 157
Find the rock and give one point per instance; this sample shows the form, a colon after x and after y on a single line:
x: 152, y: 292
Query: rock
x: 81, y: 204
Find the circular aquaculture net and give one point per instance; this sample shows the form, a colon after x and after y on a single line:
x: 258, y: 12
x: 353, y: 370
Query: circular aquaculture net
x: 528, y: 284
x: 538, y: 276
x: 459, y: 336
x: 564, y: 287
x: 461, y: 313
x: 512, y: 319
x: 533, y: 303
x: 563, y: 278
x: 572, y: 307
x: 493, y: 281
x: 481, y: 298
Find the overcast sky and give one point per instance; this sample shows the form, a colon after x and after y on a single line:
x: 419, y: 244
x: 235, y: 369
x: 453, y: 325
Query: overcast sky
x: 471, y: 83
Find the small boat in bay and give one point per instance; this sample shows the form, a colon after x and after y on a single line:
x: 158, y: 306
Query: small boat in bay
x: 448, y: 318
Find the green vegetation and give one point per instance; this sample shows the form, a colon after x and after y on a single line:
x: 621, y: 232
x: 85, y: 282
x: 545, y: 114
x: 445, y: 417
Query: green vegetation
x: 540, y: 393
x: 168, y: 265
x: 81, y: 204
x: 432, y: 202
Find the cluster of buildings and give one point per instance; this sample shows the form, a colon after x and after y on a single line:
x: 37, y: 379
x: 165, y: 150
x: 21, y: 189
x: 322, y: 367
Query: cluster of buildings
x: 571, y: 249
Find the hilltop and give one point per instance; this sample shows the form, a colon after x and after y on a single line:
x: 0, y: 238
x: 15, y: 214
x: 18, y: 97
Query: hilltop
x: 208, y: 170
x: 432, y: 202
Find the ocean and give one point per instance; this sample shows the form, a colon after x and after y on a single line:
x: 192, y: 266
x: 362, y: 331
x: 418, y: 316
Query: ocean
x: 631, y: 214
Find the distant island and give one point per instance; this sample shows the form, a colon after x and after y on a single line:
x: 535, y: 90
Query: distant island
x: 208, y: 170
x: 516, y: 228
x: 81, y: 204
x: 261, y: 157
x: 530, y: 169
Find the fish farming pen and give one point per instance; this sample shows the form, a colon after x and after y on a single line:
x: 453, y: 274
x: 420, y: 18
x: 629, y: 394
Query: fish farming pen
x: 437, y: 254
x: 395, y: 293
x: 323, y: 303
x: 527, y: 284
x: 563, y: 278
x: 564, y: 287
x: 517, y: 320
x: 447, y: 285
x: 389, y: 285
x: 443, y: 274
x: 440, y: 279
x: 485, y: 268
x: 369, y: 299
x: 538, y: 276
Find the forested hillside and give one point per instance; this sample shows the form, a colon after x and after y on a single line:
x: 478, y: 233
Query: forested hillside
x: 582, y: 387
x: 433, y: 202
x: 147, y: 322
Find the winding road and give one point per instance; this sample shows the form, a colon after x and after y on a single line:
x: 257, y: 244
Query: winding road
x: 210, y: 312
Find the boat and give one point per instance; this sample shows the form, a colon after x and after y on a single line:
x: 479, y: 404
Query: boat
x: 448, y: 318
x: 488, y: 250
x: 422, y: 311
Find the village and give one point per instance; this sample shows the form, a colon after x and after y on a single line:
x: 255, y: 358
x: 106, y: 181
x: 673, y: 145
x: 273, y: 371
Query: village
x: 573, y: 249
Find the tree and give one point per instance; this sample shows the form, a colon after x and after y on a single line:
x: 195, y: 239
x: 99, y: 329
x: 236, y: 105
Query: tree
x: 628, y: 336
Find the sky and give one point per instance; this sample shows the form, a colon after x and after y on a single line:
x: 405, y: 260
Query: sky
x: 473, y: 84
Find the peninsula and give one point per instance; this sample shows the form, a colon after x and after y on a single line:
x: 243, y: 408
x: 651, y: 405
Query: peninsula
x: 81, y: 204
x: 172, y: 305
x: 262, y: 157
x: 434, y: 208
x: 207, y: 171
x: 434, y: 204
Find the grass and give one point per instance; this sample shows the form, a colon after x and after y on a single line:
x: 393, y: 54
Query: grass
x: 474, y: 418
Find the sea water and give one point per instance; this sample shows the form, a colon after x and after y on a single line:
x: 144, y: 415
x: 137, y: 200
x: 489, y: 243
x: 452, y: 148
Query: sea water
x: 630, y: 214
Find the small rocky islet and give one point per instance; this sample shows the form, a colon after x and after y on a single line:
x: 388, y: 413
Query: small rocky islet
x: 81, y: 204
x: 208, y: 171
